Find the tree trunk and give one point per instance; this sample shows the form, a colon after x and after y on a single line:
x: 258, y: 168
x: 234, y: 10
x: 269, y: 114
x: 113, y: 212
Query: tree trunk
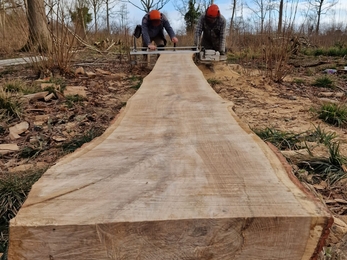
x: 177, y: 176
x: 108, y: 17
x: 319, y: 14
x: 39, y: 35
x: 232, y: 18
x: 280, y: 17
x: 95, y: 21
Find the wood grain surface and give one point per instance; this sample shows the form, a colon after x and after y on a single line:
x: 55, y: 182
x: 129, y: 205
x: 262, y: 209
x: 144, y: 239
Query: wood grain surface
x: 176, y: 176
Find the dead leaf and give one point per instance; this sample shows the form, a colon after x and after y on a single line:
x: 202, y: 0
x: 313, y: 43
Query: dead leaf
x: 18, y: 129
x: 8, y: 148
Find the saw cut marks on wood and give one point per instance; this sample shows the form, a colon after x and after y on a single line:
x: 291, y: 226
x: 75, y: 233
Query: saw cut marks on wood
x: 176, y: 176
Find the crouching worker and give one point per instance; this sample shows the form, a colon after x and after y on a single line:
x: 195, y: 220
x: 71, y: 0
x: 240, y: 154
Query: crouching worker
x: 153, y: 25
x: 212, y: 26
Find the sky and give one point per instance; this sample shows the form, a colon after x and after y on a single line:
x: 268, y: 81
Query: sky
x: 177, y: 22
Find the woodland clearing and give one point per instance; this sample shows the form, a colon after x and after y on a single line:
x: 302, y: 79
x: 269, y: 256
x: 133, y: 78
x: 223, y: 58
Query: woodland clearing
x: 85, y: 102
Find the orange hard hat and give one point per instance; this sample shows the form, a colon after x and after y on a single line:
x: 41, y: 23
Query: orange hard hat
x: 154, y: 15
x: 213, y: 11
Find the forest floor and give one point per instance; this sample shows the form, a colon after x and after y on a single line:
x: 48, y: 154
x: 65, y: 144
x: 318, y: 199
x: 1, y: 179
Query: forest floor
x: 50, y: 127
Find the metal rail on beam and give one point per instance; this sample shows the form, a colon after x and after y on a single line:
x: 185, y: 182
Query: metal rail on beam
x: 165, y: 50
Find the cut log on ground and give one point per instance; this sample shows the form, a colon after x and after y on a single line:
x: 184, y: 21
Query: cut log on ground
x: 176, y: 176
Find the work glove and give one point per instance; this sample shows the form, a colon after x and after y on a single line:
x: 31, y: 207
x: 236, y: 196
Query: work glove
x: 222, y: 53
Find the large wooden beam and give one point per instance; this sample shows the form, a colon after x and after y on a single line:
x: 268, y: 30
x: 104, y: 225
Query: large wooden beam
x: 176, y: 176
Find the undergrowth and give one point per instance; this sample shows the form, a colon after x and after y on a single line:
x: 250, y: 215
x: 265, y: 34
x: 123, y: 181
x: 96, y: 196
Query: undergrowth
x: 334, y: 114
x: 11, y: 105
x: 330, y: 169
x: 14, y: 188
x: 324, y: 82
x: 76, y: 143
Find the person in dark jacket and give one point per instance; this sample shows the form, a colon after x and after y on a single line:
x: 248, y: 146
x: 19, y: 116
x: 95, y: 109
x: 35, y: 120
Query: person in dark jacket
x: 153, y: 25
x: 212, y: 26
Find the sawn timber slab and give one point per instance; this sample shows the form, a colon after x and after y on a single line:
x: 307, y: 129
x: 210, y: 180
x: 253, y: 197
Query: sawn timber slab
x: 176, y: 176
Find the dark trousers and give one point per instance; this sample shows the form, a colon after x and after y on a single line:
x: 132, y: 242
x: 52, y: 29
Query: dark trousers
x: 158, y: 40
x: 210, y: 44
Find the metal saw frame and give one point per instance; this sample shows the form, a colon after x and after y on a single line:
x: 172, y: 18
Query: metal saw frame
x: 165, y: 50
x: 200, y: 55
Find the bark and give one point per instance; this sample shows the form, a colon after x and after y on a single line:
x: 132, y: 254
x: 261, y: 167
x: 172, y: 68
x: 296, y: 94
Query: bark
x: 39, y: 36
x: 280, y: 17
x: 232, y: 18
x: 108, y: 17
x: 319, y: 14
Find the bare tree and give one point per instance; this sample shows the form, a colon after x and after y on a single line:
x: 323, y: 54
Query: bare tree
x: 280, y: 17
x: 234, y: 2
x: 182, y: 6
x: 148, y: 5
x: 320, y: 7
x: 96, y: 5
x: 261, y: 8
x: 39, y: 36
x: 109, y: 5
x: 122, y: 15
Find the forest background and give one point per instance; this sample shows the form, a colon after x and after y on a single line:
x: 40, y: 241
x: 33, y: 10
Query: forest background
x: 99, y: 19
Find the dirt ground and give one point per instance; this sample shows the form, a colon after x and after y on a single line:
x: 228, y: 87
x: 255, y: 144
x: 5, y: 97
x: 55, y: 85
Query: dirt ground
x: 108, y: 84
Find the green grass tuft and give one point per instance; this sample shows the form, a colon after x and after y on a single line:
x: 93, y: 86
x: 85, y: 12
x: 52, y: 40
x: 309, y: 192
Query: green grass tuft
x: 329, y: 169
x: 323, y: 82
x: 137, y: 82
x: 14, y: 188
x: 72, y: 145
x: 10, y: 105
x: 282, y: 140
x: 213, y: 82
x: 14, y: 86
x: 321, y: 136
x: 299, y: 81
x: 334, y: 114
x: 74, y: 99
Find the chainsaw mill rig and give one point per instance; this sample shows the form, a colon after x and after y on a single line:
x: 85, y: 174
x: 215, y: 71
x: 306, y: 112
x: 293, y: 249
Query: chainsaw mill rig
x: 200, y: 54
x: 209, y: 56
